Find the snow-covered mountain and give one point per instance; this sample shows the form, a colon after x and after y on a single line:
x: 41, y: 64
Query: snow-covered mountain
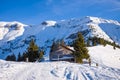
x: 11, y: 30
x: 15, y: 36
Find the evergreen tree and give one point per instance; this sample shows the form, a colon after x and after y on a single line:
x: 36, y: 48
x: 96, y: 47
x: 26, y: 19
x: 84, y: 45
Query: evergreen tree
x: 19, y: 57
x: 53, y: 47
x: 114, y: 45
x: 33, y: 46
x: 81, y: 51
x: 94, y: 41
x: 62, y: 42
x: 8, y: 58
x: 41, y: 53
x: 11, y: 57
x: 24, y: 56
x: 56, y: 44
x: 32, y: 51
x: 88, y: 42
x: 102, y: 41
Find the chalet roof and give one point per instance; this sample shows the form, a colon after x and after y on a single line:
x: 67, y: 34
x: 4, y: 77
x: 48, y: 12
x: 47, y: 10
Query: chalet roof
x: 67, y: 47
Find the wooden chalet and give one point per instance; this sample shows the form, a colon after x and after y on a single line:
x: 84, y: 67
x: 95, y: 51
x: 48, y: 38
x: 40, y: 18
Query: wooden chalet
x: 62, y: 53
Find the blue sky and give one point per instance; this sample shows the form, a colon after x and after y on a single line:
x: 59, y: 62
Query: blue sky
x: 36, y: 11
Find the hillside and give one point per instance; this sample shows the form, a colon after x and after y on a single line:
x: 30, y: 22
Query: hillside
x: 108, y: 68
x: 15, y: 36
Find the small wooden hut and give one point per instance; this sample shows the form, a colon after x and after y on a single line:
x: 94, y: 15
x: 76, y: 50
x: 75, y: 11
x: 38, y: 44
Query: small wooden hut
x: 62, y: 53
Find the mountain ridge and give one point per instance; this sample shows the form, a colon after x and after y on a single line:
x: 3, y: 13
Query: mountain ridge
x: 15, y: 37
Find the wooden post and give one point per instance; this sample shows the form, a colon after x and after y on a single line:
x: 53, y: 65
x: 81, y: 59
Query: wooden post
x: 97, y: 64
x: 75, y: 59
x: 58, y: 57
x: 27, y: 59
x: 89, y: 61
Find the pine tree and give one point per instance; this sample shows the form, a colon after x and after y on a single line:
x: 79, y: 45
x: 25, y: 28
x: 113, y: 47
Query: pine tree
x: 41, y: 53
x: 88, y: 42
x: 114, y: 45
x: 81, y: 51
x: 33, y: 46
x: 24, y: 56
x: 11, y: 57
x: 62, y: 42
x: 19, y: 57
x: 102, y: 41
x: 53, y: 47
x: 32, y: 51
x: 94, y: 41
x: 8, y: 58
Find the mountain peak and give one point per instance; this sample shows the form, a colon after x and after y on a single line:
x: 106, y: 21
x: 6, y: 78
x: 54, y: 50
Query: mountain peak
x: 49, y: 23
x: 98, y: 20
x: 3, y: 23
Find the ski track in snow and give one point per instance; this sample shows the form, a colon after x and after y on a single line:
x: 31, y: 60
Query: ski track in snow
x: 56, y: 71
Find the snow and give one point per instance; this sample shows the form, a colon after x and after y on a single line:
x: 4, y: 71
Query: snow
x: 105, y: 55
x: 98, y: 32
x: 71, y: 48
x: 50, y: 23
x: 108, y: 68
x: 114, y: 32
x: 11, y: 30
x: 55, y: 71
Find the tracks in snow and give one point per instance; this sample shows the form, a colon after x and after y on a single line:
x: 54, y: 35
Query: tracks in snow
x: 69, y: 73
x: 26, y: 73
x: 56, y: 71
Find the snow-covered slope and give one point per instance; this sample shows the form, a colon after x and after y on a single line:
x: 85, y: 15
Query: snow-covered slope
x: 55, y: 71
x: 11, y: 30
x: 15, y: 40
x: 108, y: 68
x: 105, y: 55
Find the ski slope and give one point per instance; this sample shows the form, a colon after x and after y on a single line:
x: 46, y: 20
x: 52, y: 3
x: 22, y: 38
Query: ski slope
x: 56, y: 71
x: 108, y: 68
